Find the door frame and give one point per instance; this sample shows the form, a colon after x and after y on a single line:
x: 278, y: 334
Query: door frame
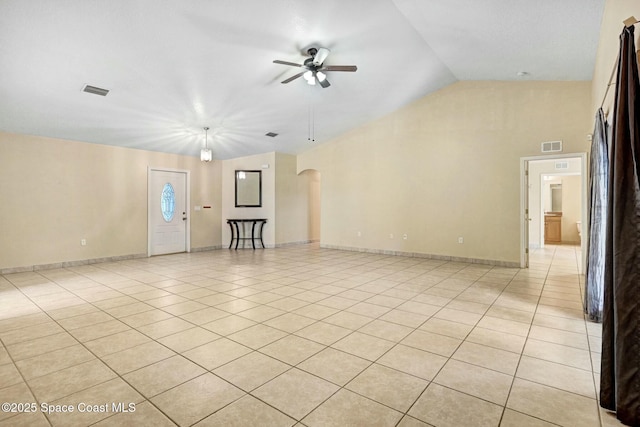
x: 524, y: 198
x: 187, y: 190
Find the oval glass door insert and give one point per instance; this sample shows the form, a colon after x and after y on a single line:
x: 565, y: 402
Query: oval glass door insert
x: 168, y: 202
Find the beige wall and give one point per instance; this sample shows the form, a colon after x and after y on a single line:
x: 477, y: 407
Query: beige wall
x: 314, y: 181
x: 287, y: 198
x: 296, y: 197
x: 615, y: 12
x: 571, y: 212
x: 268, y: 208
x: 444, y: 167
x: 55, y: 193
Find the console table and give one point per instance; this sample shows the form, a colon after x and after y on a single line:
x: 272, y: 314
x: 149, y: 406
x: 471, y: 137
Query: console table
x: 238, y: 231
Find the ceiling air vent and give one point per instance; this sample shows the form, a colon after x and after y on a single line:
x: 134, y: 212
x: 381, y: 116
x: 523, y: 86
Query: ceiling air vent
x: 562, y: 165
x: 95, y: 90
x: 552, y: 147
x: 271, y: 134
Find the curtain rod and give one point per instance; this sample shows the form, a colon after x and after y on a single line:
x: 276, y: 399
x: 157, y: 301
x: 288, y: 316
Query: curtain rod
x: 630, y: 21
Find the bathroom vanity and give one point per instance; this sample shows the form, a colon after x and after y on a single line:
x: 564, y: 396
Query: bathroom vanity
x: 552, y: 227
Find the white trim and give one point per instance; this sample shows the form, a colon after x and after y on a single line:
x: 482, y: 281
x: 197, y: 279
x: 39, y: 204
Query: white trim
x: 187, y: 202
x: 524, y: 193
x: 524, y: 226
x: 507, y: 264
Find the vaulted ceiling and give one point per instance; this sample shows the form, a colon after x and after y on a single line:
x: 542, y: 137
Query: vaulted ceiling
x: 175, y: 66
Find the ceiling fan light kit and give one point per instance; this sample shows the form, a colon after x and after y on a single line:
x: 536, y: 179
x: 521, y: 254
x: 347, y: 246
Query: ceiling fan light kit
x: 310, y: 78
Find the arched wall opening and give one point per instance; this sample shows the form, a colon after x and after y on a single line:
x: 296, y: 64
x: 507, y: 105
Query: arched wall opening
x: 312, y: 182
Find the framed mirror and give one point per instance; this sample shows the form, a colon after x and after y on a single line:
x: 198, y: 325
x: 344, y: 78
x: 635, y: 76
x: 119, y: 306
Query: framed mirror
x: 248, y: 189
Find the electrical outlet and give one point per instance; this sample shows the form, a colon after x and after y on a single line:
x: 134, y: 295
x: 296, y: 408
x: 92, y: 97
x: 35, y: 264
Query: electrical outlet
x: 460, y: 240
x: 391, y: 235
x: 83, y: 242
x: 404, y: 236
x: 359, y: 233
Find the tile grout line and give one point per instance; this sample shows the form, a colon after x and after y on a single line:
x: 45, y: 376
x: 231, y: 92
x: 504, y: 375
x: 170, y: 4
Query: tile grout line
x: 515, y: 372
x: 398, y: 284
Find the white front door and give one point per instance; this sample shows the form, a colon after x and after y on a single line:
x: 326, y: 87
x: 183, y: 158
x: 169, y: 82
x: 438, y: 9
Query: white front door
x: 168, y: 221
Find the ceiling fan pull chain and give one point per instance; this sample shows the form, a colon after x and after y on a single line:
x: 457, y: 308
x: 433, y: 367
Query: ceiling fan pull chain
x: 311, y: 129
x: 309, y: 124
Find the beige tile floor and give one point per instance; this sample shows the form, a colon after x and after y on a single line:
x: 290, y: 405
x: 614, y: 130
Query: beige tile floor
x: 300, y: 336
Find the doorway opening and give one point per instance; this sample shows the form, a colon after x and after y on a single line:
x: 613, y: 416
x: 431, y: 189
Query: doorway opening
x: 312, y: 179
x: 553, y: 203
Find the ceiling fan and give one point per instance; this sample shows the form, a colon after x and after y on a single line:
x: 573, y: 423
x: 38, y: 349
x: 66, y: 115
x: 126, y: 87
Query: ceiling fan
x: 314, y: 68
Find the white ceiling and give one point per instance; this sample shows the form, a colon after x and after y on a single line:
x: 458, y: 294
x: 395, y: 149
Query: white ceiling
x: 175, y: 66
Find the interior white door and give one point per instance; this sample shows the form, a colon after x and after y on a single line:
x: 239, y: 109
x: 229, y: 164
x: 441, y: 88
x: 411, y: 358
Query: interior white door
x: 167, y: 212
x: 527, y: 214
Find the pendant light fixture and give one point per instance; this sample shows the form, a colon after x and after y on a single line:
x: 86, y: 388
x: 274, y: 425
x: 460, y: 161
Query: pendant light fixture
x: 205, y: 153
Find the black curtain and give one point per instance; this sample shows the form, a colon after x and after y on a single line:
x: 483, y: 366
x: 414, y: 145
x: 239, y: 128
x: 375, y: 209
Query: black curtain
x: 597, y: 225
x: 620, y: 370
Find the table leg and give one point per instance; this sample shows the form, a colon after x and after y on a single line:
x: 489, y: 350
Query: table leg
x: 253, y: 242
x: 237, y: 234
x: 231, y: 227
x: 261, y: 227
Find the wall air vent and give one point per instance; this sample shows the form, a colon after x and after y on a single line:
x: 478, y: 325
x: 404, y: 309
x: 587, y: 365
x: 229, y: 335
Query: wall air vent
x: 552, y: 147
x: 562, y: 165
x: 95, y: 90
x: 271, y: 134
